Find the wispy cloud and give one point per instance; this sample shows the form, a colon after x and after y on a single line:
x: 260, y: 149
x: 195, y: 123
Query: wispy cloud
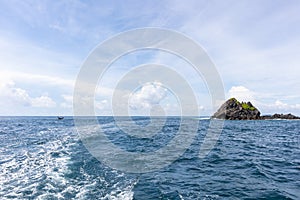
x: 14, y: 98
x: 272, y: 106
x: 254, y: 45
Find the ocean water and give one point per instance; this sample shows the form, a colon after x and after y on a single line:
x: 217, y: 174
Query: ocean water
x: 44, y: 158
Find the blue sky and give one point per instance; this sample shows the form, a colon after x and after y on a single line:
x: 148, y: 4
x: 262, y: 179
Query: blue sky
x: 255, y: 46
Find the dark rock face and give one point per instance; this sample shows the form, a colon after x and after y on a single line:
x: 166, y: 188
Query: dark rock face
x: 280, y: 116
x: 232, y: 109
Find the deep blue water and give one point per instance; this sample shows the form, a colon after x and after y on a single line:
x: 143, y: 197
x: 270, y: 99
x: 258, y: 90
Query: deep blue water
x: 44, y: 158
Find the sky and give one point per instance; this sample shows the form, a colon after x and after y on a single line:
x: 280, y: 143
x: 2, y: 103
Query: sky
x: 254, y: 45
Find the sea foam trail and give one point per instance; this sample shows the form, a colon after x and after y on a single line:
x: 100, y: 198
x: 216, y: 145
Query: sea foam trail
x: 43, y: 158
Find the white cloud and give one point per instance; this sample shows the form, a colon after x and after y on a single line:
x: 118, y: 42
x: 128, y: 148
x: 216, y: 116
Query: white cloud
x: 266, y: 106
x: 280, y: 104
x: 241, y: 93
x: 101, y: 105
x: 17, y: 95
x: 249, y: 47
x: 149, y: 95
x: 68, y: 101
x: 19, y: 55
x: 43, y: 102
x: 9, y: 93
x: 102, y: 91
x: 264, y: 57
x: 40, y: 79
x: 280, y: 107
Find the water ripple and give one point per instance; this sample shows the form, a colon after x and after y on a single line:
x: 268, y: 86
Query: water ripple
x: 43, y: 158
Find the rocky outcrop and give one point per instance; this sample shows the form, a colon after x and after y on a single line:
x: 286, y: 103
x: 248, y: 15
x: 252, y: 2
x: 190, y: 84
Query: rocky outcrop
x: 280, y: 116
x: 232, y: 109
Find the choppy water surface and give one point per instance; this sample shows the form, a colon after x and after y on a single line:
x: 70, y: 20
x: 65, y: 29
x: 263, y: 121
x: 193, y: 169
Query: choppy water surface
x: 43, y: 158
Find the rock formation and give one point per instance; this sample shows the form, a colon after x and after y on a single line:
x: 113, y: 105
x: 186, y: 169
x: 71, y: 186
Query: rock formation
x: 232, y: 109
x: 280, y: 116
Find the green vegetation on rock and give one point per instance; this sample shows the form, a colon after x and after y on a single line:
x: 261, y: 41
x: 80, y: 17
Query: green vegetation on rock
x: 244, y: 105
x: 233, y: 109
x: 247, y: 107
x: 234, y: 99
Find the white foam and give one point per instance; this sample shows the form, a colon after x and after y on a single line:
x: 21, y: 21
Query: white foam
x: 30, y: 167
x: 118, y: 193
x: 126, y: 194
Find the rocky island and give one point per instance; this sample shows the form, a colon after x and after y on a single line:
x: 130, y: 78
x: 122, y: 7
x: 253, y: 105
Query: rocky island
x: 232, y: 109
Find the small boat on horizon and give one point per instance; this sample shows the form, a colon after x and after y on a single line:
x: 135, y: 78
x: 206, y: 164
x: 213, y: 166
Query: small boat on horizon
x: 60, y: 117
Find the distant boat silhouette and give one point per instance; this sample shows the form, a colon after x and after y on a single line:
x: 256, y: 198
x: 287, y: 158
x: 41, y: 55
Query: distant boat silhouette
x: 60, y: 117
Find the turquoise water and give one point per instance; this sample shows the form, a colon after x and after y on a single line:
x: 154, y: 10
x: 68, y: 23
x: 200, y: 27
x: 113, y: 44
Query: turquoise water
x: 43, y: 158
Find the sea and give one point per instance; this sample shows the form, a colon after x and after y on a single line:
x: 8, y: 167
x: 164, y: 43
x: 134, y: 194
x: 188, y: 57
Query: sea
x: 45, y: 158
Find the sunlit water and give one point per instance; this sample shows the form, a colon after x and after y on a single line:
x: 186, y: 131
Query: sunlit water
x: 43, y: 158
